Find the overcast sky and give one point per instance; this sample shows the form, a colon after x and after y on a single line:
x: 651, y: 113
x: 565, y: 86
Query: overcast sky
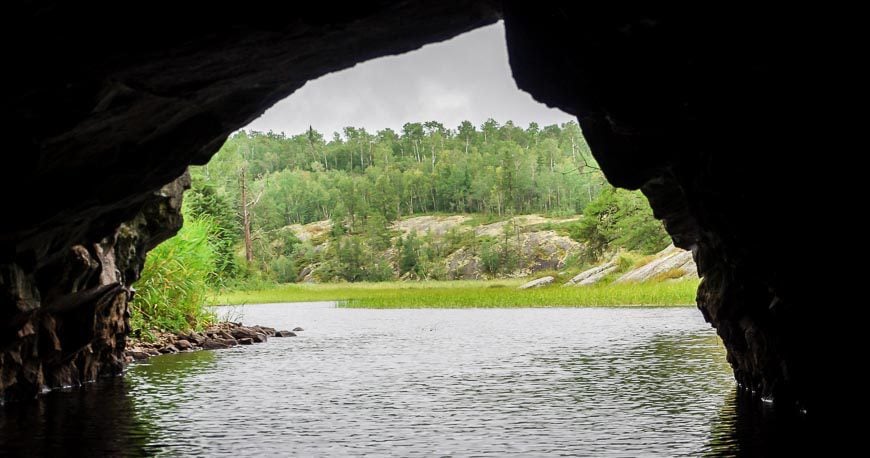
x: 467, y: 77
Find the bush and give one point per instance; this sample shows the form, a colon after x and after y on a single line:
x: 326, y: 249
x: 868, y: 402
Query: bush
x: 204, y: 202
x: 174, y: 287
x: 619, y: 219
x: 283, y: 269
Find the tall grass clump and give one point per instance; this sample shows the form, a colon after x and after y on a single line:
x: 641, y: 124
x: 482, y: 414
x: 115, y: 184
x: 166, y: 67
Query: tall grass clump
x: 173, y: 291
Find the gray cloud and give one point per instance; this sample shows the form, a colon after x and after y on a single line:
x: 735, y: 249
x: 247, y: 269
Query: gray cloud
x: 467, y: 77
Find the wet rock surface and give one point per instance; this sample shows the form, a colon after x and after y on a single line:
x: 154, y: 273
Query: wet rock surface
x: 216, y: 337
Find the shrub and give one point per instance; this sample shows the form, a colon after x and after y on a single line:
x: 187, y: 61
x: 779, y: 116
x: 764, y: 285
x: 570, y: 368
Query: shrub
x: 173, y: 290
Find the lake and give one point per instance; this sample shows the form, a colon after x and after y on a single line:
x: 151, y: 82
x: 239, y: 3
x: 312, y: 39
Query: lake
x: 421, y: 382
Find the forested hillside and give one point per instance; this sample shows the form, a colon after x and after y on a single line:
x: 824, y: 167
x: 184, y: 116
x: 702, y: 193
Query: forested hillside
x: 260, y: 187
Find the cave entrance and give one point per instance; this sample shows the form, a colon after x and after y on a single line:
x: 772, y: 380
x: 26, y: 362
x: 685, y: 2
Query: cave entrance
x: 427, y: 166
x: 112, y: 120
x: 410, y: 223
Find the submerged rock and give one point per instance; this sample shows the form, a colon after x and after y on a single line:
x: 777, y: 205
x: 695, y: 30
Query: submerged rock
x: 285, y: 334
x: 297, y: 329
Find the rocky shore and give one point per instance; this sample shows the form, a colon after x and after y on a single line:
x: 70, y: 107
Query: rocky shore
x: 220, y: 335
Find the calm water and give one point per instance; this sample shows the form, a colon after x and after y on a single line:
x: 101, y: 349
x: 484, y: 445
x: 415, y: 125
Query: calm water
x: 524, y: 382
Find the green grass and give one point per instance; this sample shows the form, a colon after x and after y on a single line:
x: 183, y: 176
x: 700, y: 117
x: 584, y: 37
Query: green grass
x: 471, y: 294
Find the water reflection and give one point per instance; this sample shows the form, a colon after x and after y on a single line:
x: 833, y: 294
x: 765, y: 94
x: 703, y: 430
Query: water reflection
x: 106, y: 418
x: 99, y: 420
x: 745, y: 427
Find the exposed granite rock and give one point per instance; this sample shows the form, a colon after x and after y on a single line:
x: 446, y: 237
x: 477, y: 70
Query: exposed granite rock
x: 537, y: 283
x: 593, y: 275
x: 671, y: 263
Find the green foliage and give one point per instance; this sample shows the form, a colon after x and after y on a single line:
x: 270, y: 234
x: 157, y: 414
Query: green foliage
x: 174, y: 288
x: 350, y: 259
x: 205, y: 202
x: 473, y: 294
x: 619, y: 219
x: 363, y: 182
x: 283, y: 269
x: 490, y: 256
x: 409, y: 255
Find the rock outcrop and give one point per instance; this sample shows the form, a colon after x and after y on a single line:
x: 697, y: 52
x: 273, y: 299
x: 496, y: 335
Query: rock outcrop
x: 708, y: 114
x: 671, y: 263
x: 536, y: 249
x: 65, y: 322
x: 593, y: 275
x: 701, y: 112
x: 538, y: 282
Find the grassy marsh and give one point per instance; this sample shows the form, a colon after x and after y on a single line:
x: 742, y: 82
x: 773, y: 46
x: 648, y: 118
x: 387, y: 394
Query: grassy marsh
x: 471, y: 294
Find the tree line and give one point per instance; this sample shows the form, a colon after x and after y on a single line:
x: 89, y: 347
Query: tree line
x: 260, y: 183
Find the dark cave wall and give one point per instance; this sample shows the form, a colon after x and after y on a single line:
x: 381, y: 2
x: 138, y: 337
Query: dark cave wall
x: 699, y: 111
x: 66, y: 323
x: 110, y: 102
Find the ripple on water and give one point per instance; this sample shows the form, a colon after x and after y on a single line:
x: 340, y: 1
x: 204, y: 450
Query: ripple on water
x: 413, y: 383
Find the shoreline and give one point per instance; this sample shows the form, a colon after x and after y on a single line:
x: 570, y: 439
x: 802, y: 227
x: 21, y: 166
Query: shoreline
x: 226, y: 334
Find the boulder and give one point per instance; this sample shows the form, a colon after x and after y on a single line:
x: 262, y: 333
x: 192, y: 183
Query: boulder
x: 183, y: 345
x: 593, y: 275
x: 242, y: 332
x: 217, y: 343
x: 168, y: 349
x: 670, y: 263
x: 137, y: 355
x: 285, y: 334
x: 246, y: 341
x: 297, y: 329
x: 265, y: 330
x: 543, y: 281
